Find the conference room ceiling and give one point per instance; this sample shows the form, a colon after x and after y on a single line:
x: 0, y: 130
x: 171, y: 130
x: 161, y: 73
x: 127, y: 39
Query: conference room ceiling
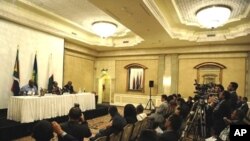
x: 153, y: 23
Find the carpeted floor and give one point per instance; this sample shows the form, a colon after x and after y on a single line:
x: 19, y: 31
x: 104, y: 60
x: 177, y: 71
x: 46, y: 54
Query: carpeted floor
x: 94, y: 124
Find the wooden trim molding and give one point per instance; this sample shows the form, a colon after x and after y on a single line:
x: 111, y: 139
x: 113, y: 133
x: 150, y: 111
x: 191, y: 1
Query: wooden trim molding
x: 205, y: 69
x: 209, y: 64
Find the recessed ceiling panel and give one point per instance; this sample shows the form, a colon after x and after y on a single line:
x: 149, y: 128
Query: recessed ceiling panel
x: 187, y: 9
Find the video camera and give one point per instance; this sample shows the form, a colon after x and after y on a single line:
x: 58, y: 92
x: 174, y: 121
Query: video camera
x: 201, y: 89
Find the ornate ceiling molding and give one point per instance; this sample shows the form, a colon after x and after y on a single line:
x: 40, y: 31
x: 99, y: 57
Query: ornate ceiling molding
x: 186, y: 9
x: 187, y: 32
x: 29, y: 14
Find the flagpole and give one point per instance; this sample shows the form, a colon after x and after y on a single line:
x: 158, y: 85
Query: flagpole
x: 15, y: 86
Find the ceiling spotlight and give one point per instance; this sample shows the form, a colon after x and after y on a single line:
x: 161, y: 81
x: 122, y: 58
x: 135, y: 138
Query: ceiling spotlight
x: 104, y: 29
x: 213, y: 16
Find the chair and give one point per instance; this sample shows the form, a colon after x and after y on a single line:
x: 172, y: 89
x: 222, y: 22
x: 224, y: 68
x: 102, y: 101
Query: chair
x: 145, y: 124
x: 104, y: 138
x: 127, y: 131
x: 115, y: 137
x: 136, y: 130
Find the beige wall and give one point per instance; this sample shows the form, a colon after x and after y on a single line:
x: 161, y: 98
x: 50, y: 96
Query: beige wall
x: 235, y: 71
x: 86, y: 71
x: 80, y: 70
x: 150, y: 74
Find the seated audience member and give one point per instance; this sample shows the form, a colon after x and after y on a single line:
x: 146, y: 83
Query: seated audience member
x: 130, y: 114
x: 29, y: 89
x: 244, y: 106
x: 62, y: 134
x: 161, y: 111
x: 246, y: 118
x: 68, y: 88
x: 173, y: 123
x: 42, y: 131
x: 140, y: 115
x: 184, y: 109
x: 76, y: 125
x: 55, y: 88
x: 148, y: 135
x: 117, y: 123
x: 236, y: 118
x: 239, y: 101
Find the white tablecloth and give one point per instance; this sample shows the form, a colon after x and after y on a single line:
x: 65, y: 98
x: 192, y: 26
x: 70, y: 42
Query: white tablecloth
x: 31, y: 108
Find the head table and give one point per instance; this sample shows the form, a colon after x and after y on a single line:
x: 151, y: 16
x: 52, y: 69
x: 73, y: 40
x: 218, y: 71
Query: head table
x: 27, y: 109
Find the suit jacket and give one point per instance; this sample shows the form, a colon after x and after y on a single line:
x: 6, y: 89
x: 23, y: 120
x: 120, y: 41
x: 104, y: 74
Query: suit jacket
x: 68, y: 88
x: 168, y: 136
x: 68, y: 137
x: 77, y: 130
x: 244, y: 108
x: 220, y: 111
x: 162, y: 108
x: 118, y: 122
x: 233, y: 100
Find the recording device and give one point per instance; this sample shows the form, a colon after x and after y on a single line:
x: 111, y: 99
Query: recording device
x: 196, y: 120
x: 201, y: 89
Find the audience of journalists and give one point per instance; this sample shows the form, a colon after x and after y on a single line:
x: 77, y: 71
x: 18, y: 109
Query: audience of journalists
x: 165, y: 123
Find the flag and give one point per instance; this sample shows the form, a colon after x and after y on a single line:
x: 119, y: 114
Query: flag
x: 15, y: 86
x: 50, y: 75
x: 34, y: 73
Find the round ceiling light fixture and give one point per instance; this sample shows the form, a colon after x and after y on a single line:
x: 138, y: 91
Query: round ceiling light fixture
x: 104, y: 29
x: 213, y: 16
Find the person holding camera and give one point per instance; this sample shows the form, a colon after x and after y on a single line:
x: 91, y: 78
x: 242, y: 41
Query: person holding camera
x: 221, y: 110
x: 76, y: 125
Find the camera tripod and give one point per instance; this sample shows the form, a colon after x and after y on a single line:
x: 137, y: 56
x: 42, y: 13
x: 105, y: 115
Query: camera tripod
x: 196, y: 123
x: 150, y: 102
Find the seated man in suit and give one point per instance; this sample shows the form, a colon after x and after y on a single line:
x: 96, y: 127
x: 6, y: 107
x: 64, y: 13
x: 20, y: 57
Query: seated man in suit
x: 244, y: 106
x: 76, y: 126
x: 173, y: 124
x: 43, y: 131
x: 68, y: 88
x: 55, y: 89
x: 116, y: 125
x: 29, y: 89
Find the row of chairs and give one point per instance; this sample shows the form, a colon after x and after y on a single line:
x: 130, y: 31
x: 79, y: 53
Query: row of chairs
x: 129, y: 133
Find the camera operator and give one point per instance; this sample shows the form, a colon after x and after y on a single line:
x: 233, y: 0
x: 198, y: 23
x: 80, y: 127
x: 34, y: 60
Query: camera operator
x: 214, y: 95
x: 232, y: 87
x: 221, y: 110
